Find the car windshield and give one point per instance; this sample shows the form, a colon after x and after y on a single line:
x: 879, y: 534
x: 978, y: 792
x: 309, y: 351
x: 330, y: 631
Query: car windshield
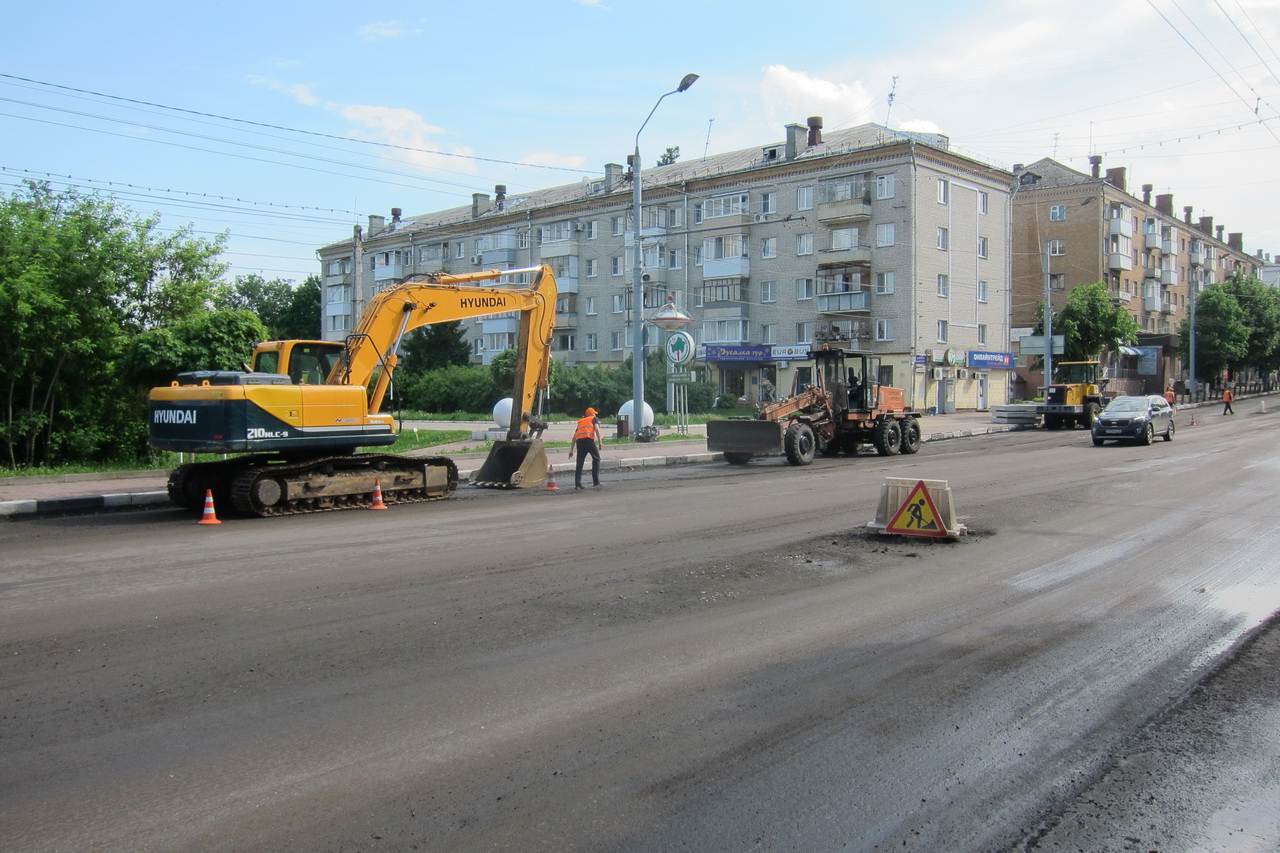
x: 1128, y: 404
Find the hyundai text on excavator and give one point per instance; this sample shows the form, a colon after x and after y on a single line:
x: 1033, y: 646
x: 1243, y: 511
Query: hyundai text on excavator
x: 304, y: 407
x: 844, y: 409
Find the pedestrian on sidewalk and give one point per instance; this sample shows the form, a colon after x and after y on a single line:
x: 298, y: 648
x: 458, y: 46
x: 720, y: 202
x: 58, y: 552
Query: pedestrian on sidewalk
x: 587, y: 441
x: 1227, y: 397
x: 1170, y: 396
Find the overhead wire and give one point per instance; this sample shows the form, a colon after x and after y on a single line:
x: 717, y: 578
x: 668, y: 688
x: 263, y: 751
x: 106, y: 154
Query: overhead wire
x: 1223, y: 56
x: 1246, y: 39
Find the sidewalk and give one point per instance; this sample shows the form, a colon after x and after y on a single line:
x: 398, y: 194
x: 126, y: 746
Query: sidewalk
x: 78, y: 493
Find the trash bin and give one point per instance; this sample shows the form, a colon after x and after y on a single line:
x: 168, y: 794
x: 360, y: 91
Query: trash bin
x: 624, y: 426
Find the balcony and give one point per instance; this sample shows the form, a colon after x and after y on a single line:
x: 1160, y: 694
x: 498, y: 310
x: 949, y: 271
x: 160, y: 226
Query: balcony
x: 499, y: 325
x: 733, y: 220
x: 1151, y: 301
x: 840, y: 257
x: 652, y: 232
x: 851, y: 302
x: 1166, y: 307
x: 1151, y: 243
x: 497, y: 257
x: 726, y: 267
x: 1169, y: 246
x: 1120, y: 261
x: 391, y: 272
x: 1169, y: 275
x: 1195, y: 255
x: 340, y: 278
x: 558, y: 248
x: 657, y: 276
x: 567, y: 320
x: 436, y: 264
x: 1120, y: 226
x: 567, y: 284
x: 1120, y: 295
x: 845, y: 210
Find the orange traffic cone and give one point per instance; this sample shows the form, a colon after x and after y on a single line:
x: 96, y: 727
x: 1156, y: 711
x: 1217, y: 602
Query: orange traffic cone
x: 377, y: 496
x: 551, y: 479
x: 209, y: 516
x: 1193, y: 418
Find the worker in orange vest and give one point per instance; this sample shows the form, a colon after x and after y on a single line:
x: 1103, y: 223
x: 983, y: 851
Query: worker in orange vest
x: 1227, y: 397
x: 586, y: 440
x: 1170, y: 396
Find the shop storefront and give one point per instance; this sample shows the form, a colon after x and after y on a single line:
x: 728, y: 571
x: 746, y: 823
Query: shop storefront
x: 756, y: 373
x: 953, y: 380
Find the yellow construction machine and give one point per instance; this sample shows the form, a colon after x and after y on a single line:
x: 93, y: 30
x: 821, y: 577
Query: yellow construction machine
x: 304, y: 407
x: 1075, y: 396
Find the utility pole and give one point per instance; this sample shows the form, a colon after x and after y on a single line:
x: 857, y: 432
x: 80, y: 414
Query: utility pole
x: 1048, y: 318
x: 1195, y: 286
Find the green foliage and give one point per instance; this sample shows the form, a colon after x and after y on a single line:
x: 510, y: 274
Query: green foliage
x: 449, y: 389
x: 1261, y: 307
x: 1222, y: 333
x: 301, y: 320
x: 80, y: 280
x: 435, y: 346
x: 1091, y: 323
x: 211, y: 340
x: 669, y: 156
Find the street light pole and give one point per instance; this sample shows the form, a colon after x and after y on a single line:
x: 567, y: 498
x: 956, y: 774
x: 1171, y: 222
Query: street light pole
x: 1048, y: 318
x: 1195, y: 286
x: 637, y: 298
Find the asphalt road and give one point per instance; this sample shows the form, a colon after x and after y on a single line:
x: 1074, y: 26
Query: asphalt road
x: 701, y: 658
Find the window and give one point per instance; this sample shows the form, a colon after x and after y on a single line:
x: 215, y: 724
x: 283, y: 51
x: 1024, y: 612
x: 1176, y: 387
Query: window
x: 804, y: 333
x: 615, y: 265
x: 769, y: 203
x: 884, y: 283
x: 675, y: 259
x: 804, y: 244
x: 619, y: 303
x: 944, y: 191
x: 804, y: 289
x: 1058, y: 281
x: 339, y: 293
x: 593, y: 229
x: 722, y: 290
x: 697, y: 256
x: 944, y: 239
x: 591, y: 267
x: 884, y: 330
x: 1057, y: 248
x: 769, y: 247
x: 844, y: 238
x: 804, y: 198
x: 1057, y: 213
x: 339, y: 322
x: 591, y: 342
x: 616, y: 224
x: 884, y: 234
x: 884, y: 186
x: 725, y: 205
x: 942, y: 331
x: 886, y: 376
x: 564, y: 342
x: 724, y: 331
x: 983, y: 202
x: 944, y: 285
x: 459, y: 249
x: 697, y: 213
x: 677, y: 217
x: 982, y: 333
x: 477, y: 346
x: 768, y: 291
x: 591, y: 306
x: 769, y: 333
x: 615, y: 341
x: 982, y: 291
x: 556, y: 232
x: 982, y: 247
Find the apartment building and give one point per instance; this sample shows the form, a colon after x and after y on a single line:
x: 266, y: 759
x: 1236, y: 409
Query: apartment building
x: 883, y: 240
x: 1094, y: 229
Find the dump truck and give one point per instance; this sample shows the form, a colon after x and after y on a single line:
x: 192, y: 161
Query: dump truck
x: 297, y: 415
x: 844, y: 409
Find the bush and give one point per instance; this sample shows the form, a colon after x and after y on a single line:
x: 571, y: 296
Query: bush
x: 467, y: 388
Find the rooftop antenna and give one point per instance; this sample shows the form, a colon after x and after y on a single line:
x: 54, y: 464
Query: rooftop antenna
x: 893, y: 93
x: 710, y: 121
x: 1055, y: 145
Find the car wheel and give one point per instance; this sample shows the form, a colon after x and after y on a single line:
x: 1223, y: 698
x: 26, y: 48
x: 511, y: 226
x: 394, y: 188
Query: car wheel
x: 1097, y: 442
x: 799, y: 444
x: 1168, y: 434
x: 1148, y: 434
x: 1091, y: 412
x: 888, y: 437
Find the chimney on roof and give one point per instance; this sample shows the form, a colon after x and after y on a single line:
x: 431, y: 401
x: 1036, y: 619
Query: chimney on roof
x: 815, y: 130
x: 795, y: 140
x: 1095, y: 164
x: 1116, y: 177
x: 1019, y: 167
x: 479, y: 204
x: 1261, y: 257
x: 1236, y: 241
x: 1206, y: 225
x: 1146, y: 193
x: 500, y: 196
x: 1219, y: 229
x: 1164, y: 203
x: 1186, y: 213
x: 395, y: 216
x: 376, y: 224
x: 612, y: 176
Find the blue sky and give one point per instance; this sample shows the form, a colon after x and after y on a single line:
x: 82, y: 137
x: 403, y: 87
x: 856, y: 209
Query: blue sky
x: 565, y: 83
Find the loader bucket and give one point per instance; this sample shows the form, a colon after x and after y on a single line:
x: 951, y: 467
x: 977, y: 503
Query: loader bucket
x: 520, y: 464
x: 741, y: 435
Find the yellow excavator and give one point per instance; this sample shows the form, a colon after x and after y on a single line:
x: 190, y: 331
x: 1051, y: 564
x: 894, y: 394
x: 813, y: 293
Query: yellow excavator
x: 303, y: 408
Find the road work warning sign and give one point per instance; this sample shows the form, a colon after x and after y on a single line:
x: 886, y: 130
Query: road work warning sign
x: 918, y: 516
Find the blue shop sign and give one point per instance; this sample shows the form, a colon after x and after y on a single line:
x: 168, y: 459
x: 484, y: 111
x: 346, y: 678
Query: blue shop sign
x: 739, y: 352
x: 990, y: 360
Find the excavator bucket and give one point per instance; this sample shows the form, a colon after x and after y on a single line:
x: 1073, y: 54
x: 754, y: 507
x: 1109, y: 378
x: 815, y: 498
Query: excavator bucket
x: 520, y: 464
x: 759, y: 438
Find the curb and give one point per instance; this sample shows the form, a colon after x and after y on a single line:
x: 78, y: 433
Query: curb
x: 88, y: 504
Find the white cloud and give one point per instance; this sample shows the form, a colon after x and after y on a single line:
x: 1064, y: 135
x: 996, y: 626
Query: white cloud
x: 379, y: 30
x: 300, y: 92
x: 919, y: 125
x: 551, y: 158
x: 791, y: 95
x: 594, y: 4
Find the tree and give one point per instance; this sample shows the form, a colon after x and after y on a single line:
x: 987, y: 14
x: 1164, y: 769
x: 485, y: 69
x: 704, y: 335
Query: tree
x: 301, y: 320
x: 1222, y: 334
x: 209, y: 340
x: 1091, y: 322
x: 503, y: 371
x: 1261, y: 307
x: 435, y: 346
x: 669, y: 156
x: 269, y: 299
